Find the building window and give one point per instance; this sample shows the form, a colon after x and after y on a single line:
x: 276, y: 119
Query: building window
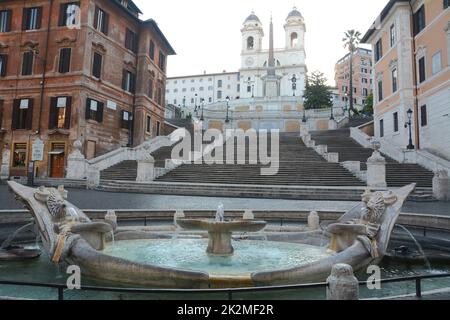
x: 380, y: 90
x: 148, y: 127
x: 3, y: 64
x: 64, y: 60
x: 128, y: 81
x: 5, y: 20
x: 436, y: 62
x: 22, y: 118
x: 446, y: 4
x: 422, y: 73
x: 158, y: 128
x: 101, y: 20
x: 94, y: 110
x: 219, y: 83
x: 131, y: 41
x: 394, y: 80
x: 423, y: 116
x: 210, y: 100
x: 250, y: 43
x: 219, y: 94
x: 393, y: 35
x: 20, y: 155
x: 31, y: 19
x: 378, y: 50
x: 365, y: 92
x: 60, y: 111
x: 152, y: 51
x: 294, y: 39
x: 27, y: 63
x: 69, y: 14
x: 162, y: 61
x: 396, y: 122
x: 125, y: 120
x: 97, y: 65
x: 381, y: 128
x: 419, y: 20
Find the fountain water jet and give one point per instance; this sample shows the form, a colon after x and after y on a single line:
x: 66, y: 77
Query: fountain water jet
x: 419, y: 247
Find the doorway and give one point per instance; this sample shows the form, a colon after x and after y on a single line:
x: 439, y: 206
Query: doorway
x: 57, y: 160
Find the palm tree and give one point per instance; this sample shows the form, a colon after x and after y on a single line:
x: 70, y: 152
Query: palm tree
x: 351, y: 41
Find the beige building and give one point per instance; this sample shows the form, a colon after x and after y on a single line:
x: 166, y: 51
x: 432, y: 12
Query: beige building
x: 411, y: 52
x: 362, y: 77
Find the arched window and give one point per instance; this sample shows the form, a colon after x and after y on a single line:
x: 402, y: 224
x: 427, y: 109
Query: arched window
x: 250, y: 43
x: 294, y: 39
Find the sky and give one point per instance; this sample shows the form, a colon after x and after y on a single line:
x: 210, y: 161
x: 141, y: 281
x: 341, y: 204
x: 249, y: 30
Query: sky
x: 206, y: 33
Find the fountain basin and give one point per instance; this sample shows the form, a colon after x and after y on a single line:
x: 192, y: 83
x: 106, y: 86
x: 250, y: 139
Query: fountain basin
x: 220, y: 232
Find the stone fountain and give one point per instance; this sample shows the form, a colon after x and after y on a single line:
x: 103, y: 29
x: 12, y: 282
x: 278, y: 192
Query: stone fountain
x: 359, y: 238
x: 220, y: 231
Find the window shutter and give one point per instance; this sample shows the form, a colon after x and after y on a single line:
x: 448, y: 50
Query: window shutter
x: 30, y: 114
x: 62, y: 15
x: 15, y: 114
x: 100, y: 112
x: 52, y: 113
x: 39, y: 18
x: 133, y: 83
x: 68, y: 113
x: 124, y: 79
x: 88, y: 109
x: 96, y: 18
x: 105, y: 24
x: 4, y: 59
x: 8, y: 20
x: 64, y: 60
x: 121, y: 124
x: 24, y: 19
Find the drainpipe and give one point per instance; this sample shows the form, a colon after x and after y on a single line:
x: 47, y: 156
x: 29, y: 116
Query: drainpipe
x: 44, y: 66
x: 416, y: 99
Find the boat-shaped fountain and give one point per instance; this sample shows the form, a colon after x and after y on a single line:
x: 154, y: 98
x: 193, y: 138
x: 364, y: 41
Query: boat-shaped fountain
x: 359, y: 238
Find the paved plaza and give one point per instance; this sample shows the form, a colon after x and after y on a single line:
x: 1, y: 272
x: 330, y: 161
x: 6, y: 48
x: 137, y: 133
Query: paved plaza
x: 108, y: 200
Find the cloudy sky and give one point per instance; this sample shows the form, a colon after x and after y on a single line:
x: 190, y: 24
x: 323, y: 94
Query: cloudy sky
x: 206, y: 33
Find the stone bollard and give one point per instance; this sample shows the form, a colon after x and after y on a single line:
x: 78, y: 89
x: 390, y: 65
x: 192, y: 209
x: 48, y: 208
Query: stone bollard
x: 313, y: 221
x: 4, y: 168
x: 342, y: 284
x: 332, y: 157
x: 179, y: 214
x: 93, y: 178
x: 76, y: 163
x: 248, y: 215
x: 441, y: 185
x: 376, y: 169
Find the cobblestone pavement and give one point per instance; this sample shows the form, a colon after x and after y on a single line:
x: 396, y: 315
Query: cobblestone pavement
x: 107, y: 200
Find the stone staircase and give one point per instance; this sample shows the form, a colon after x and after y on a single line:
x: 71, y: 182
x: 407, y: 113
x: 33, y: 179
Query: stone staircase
x: 397, y: 174
x: 298, y: 166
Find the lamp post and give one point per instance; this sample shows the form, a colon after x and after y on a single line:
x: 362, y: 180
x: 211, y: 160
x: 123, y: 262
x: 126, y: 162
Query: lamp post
x: 203, y: 105
x: 227, y: 119
x: 195, y: 106
x: 409, y: 124
x: 332, y: 109
x: 294, y: 84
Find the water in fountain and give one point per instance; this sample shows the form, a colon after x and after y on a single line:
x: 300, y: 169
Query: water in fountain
x: 419, y: 247
x: 178, y: 214
x: 112, y: 237
x: 220, y: 215
x: 11, y: 238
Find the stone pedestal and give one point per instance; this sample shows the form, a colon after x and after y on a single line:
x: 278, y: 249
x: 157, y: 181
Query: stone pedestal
x: 342, y: 284
x: 313, y: 221
x: 220, y: 244
x: 376, y: 169
x: 441, y: 186
x: 332, y: 157
x: 248, y: 215
x: 145, y: 168
x: 321, y: 149
x: 4, y: 169
x: 332, y: 125
x: 93, y: 178
x: 76, y: 163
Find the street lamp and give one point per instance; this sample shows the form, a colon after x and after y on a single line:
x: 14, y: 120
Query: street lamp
x: 195, y: 106
x: 409, y: 124
x: 203, y: 105
x: 227, y: 119
x: 304, y: 110
x: 294, y: 84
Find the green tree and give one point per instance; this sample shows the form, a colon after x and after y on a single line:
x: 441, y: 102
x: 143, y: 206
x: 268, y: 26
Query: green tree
x: 368, y: 105
x: 351, y: 42
x: 317, y: 93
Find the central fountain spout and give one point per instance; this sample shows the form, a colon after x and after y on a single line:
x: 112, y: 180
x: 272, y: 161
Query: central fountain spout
x: 220, y: 231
